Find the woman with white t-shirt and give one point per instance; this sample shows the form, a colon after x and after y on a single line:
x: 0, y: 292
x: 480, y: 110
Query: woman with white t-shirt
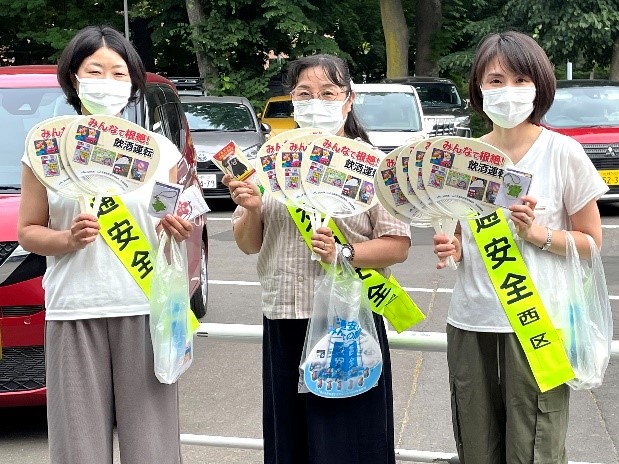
x: 499, y: 413
x: 99, y: 357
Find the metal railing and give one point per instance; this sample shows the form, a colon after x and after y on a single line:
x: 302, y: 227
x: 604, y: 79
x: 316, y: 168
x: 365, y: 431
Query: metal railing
x: 415, y: 341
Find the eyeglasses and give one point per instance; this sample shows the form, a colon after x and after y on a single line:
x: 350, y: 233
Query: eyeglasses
x: 325, y: 94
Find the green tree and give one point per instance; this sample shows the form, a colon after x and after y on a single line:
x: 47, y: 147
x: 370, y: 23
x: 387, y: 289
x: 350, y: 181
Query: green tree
x: 587, y: 30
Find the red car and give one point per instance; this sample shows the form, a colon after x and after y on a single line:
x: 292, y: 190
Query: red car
x: 29, y: 94
x: 588, y: 111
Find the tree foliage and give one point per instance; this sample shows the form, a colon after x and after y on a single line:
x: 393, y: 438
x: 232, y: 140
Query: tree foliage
x: 236, y: 36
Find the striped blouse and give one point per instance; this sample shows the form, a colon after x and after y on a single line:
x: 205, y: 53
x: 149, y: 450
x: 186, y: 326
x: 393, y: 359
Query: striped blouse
x: 285, y: 269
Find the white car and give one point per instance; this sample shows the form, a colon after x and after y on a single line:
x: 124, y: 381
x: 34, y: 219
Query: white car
x: 390, y: 113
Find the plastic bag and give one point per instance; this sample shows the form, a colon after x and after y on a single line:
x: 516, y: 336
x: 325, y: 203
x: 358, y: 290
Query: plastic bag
x: 170, y: 327
x: 587, y: 326
x: 342, y: 356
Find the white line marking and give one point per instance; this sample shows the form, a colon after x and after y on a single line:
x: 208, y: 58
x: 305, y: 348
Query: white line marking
x: 408, y: 289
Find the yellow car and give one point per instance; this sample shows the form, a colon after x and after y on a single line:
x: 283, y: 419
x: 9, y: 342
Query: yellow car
x: 278, y: 113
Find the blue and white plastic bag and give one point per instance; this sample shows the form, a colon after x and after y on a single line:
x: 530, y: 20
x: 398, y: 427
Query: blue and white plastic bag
x: 170, y: 327
x: 342, y: 356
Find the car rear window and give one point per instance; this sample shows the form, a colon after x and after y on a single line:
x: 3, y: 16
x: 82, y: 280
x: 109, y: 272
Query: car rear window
x: 584, y: 107
x: 279, y: 109
x: 388, y: 111
x: 232, y: 117
x: 438, y: 94
x: 20, y: 110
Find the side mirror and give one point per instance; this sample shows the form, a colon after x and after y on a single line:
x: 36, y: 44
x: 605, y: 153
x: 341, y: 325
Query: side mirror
x: 266, y: 127
x: 466, y: 103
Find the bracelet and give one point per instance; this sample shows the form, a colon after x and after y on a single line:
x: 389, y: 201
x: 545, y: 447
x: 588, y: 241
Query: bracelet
x: 546, y: 245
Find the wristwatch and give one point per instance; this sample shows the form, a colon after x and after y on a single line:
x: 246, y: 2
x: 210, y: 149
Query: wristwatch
x: 348, y: 252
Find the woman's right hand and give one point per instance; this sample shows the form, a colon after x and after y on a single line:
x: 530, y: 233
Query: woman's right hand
x: 444, y: 248
x: 243, y: 193
x: 84, y: 230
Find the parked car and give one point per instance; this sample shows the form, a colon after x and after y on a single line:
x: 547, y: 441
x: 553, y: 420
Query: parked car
x: 390, y: 113
x: 588, y: 111
x: 28, y: 95
x: 444, y: 110
x: 213, y: 122
x: 279, y: 114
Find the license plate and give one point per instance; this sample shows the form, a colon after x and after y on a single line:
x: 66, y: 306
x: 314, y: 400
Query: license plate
x: 208, y: 181
x: 610, y: 177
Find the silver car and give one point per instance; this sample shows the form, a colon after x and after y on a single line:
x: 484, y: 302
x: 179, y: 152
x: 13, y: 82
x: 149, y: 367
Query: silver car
x: 215, y: 121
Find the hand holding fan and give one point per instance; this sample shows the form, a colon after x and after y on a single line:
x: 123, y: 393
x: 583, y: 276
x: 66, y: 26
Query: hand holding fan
x: 288, y: 162
x: 463, y: 175
x: 409, y: 167
x: 396, y: 196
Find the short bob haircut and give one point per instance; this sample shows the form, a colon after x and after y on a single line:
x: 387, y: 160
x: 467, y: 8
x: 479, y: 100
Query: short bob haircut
x: 337, y: 72
x: 86, y: 42
x: 521, y: 55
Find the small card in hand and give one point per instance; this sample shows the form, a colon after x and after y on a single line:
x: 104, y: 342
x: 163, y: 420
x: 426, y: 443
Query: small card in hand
x: 191, y: 204
x: 230, y: 159
x: 515, y: 185
x: 163, y: 199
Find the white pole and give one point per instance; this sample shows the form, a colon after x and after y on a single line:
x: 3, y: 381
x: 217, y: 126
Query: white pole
x: 569, y: 70
x: 126, y: 13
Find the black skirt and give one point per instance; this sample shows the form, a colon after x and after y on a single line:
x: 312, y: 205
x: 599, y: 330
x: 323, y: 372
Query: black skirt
x: 302, y: 428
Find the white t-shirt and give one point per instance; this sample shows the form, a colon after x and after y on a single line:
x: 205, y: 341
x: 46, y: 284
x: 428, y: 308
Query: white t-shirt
x: 564, y: 181
x: 92, y: 282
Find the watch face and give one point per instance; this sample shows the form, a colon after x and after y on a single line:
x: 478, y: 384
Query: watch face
x: 347, y: 252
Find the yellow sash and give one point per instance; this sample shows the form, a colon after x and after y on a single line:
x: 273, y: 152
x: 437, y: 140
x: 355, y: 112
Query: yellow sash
x: 386, y: 296
x: 523, y: 306
x: 123, y: 235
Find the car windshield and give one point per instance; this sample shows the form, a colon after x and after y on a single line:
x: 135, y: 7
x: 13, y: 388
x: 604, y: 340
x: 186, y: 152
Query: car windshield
x: 436, y: 94
x: 388, y: 111
x: 279, y: 109
x: 584, y: 107
x: 227, y: 117
x: 20, y: 110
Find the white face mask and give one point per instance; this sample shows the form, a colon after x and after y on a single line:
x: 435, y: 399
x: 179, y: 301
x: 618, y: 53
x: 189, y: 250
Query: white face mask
x: 321, y: 114
x: 103, y: 96
x: 508, y: 106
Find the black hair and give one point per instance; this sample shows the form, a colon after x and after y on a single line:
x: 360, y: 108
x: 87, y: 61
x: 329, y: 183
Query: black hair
x: 86, y: 42
x: 522, y: 55
x: 337, y: 72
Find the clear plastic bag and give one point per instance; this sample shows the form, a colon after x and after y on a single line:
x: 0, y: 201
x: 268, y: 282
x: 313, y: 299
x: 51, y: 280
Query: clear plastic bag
x: 170, y: 326
x: 587, y: 326
x: 342, y: 356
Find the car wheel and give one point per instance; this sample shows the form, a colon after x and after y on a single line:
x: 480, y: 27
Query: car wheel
x: 199, y: 300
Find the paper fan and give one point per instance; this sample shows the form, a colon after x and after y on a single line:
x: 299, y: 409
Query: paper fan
x: 44, y: 146
x: 390, y: 191
x: 462, y: 173
x: 338, y: 175
x: 266, y: 158
x: 111, y: 155
x: 409, y: 166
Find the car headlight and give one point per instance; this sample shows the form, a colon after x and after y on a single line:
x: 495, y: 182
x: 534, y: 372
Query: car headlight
x: 251, y: 152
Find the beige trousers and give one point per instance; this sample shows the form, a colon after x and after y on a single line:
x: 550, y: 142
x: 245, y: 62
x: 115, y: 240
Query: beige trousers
x: 100, y: 371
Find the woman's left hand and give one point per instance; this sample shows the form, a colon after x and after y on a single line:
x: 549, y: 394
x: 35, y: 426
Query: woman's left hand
x: 523, y: 216
x: 176, y: 226
x: 323, y: 243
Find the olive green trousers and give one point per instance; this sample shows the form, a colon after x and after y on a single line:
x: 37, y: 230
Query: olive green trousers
x: 499, y: 414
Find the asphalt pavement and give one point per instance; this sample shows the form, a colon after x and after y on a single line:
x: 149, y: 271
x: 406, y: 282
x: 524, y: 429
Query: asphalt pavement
x: 220, y: 394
